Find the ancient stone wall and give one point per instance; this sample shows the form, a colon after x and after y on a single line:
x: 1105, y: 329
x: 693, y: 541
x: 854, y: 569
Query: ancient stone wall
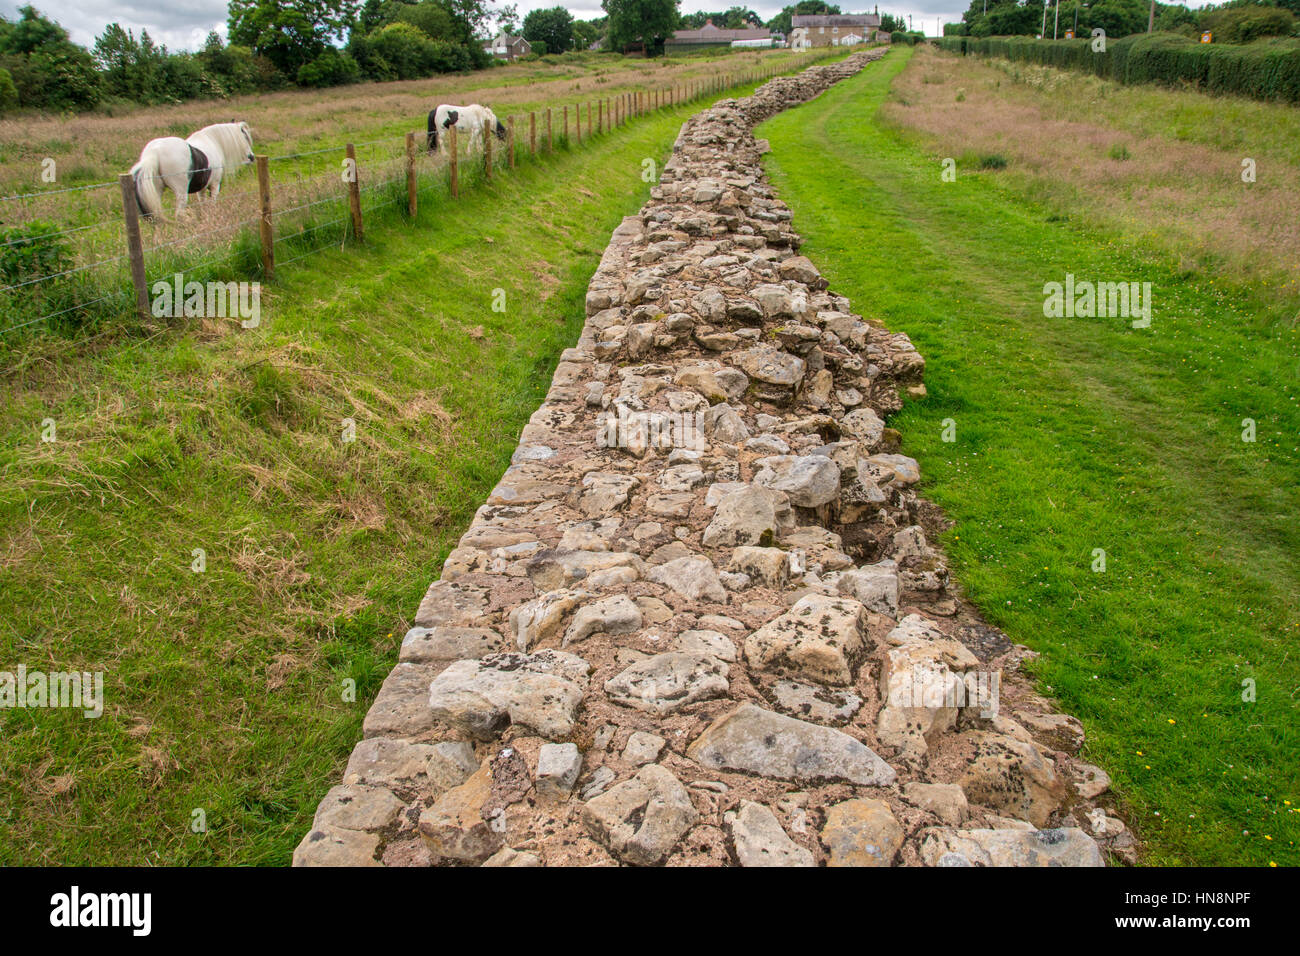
x: 700, y: 621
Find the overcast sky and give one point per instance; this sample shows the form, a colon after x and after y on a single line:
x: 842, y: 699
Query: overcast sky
x: 184, y: 25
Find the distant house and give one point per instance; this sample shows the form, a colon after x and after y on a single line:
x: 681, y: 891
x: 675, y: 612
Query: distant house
x: 711, y: 36
x: 807, y: 32
x: 506, y: 47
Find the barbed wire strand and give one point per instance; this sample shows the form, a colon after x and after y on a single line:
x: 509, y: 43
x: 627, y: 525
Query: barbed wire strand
x: 44, y: 237
x: 60, y: 275
x: 55, y: 192
x: 200, y: 235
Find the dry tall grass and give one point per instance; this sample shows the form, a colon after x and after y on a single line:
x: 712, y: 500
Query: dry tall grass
x: 1113, y: 156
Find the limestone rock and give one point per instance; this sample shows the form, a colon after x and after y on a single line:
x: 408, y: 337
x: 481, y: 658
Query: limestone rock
x: 748, y: 515
x: 330, y: 847
x: 613, y: 615
x: 759, y: 839
x: 694, y: 578
x: 508, y: 857
x: 443, y: 643
x: 456, y: 825
x: 1011, y: 775
x: 357, y: 807
x: 861, y: 833
x: 875, y: 585
x: 558, y: 766
x: 769, y: 567
x: 539, y: 620
x: 821, y: 638
x: 666, y: 682
x: 807, y: 480
x: 541, y: 691
x: 772, y: 366
x: 752, y: 740
x: 706, y: 643
x: 1062, y: 847
x: 642, y: 819
x: 947, y: 801
x: 812, y: 702
x: 399, y: 764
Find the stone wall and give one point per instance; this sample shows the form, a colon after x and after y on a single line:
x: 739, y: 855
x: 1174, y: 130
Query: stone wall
x: 700, y: 620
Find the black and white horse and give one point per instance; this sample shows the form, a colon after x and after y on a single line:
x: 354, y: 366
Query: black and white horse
x: 188, y: 166
x: 470, y: 121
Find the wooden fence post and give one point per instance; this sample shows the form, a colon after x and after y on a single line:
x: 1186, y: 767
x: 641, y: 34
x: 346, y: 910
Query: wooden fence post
x: 510, y: 139
x: 600, y: 116
x: 454, y: 153
x: 411, y: 184
x: 532, y: 133
x: 134, y: 247
x: 488, y: 134
x: 566, y: 123
x: 264, y: 226
x: 588, y: 119
x: 354, y: 192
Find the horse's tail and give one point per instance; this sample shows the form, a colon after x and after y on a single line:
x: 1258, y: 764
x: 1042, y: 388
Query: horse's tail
x: 433, y: 129
x: 148, y: 190
x: 501, y: 129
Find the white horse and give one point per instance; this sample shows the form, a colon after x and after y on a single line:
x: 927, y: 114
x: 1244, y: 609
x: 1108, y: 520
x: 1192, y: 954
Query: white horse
x: 187, y: 166
x: 470, y: 121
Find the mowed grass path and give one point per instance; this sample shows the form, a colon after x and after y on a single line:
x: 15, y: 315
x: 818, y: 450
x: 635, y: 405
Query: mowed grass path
x: 226, y: 689
x: 1080, y: 434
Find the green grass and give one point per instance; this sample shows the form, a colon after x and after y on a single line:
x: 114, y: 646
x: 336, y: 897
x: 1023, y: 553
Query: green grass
x: 1079, y: 434
x: 225, y: 688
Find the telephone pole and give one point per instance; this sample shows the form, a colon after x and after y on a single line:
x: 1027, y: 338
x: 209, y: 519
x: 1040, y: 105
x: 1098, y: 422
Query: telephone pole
x: 1057, y: 20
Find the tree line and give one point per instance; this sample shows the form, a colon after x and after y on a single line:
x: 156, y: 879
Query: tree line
x: 1236, y: 21
x: 277, y: 44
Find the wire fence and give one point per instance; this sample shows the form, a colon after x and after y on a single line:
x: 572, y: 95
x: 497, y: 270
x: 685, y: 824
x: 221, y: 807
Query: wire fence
x: 79, y: 272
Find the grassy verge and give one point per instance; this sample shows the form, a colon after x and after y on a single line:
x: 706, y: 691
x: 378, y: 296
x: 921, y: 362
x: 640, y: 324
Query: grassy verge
x: 225, y: 688
x: 1082, y: 434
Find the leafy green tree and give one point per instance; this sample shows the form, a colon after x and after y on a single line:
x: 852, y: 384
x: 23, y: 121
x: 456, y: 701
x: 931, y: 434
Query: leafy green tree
x: 735, y: 18
x: 290, y: 33
x: 231, y: 69
x: 508, y: 19
x: 432, y: 19
x: 8, y: 93
x: 640, y: 21
x: 553, y: 26
x: 48, y: 70
x: 585, y: 33
x: 331, y: 68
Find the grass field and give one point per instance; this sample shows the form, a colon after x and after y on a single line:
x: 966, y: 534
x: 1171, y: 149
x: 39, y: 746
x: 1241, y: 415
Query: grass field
x: 83, y: 278
x: 225, y: 689
x: 1080, y: 434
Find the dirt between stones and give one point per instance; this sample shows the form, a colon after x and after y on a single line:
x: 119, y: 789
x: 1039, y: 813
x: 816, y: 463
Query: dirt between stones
x: 700, y: 621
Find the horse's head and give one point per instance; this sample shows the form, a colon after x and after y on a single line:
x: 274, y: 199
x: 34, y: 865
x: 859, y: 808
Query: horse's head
x: 245, y: 137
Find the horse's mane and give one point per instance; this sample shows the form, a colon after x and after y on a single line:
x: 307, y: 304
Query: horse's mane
x: 230, y: 138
